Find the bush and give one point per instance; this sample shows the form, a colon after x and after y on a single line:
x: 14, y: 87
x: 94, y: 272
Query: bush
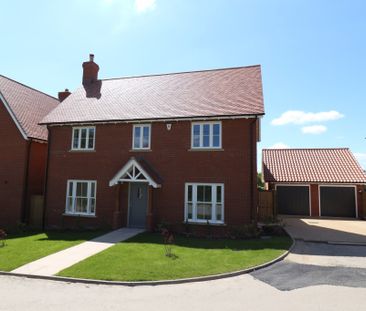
x: 249, y: 231
x: 3, y: 236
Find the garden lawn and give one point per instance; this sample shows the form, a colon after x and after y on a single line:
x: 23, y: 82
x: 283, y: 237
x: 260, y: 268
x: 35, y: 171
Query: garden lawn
x: 26, y: 247
x: 143, y: 258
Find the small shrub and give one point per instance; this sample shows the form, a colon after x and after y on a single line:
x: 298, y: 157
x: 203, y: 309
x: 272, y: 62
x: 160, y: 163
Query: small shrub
x: 22, y: 227
x: 209, y: 230
x: 273, y: 229
x: 3, y: 236
x: 168, y: 242
x: 249, y: 231
x: 163, y: 225
x: 187, y: 229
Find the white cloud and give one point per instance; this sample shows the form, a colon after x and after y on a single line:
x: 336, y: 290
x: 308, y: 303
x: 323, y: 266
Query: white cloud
x: 314, y: 129
x: 144, y: 5
x: 279, y: 145
x: 301, y: 117
x: 361, y: 158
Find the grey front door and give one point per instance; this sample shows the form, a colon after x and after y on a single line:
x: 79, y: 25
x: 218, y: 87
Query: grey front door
x: 138, y: 205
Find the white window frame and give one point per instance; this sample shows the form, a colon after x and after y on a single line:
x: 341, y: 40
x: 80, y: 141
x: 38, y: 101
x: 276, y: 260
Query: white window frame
x: 141, y: 126
x: 80, y: 128
x: 201, y: 124
x: 213, y: 203
x: 89, y: 197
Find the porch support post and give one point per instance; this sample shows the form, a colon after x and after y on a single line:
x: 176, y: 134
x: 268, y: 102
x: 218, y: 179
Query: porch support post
x: 117, y: 220
x: 149, y: 215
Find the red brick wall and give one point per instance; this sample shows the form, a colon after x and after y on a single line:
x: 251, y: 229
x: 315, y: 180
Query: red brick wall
x: 170, y: 157
x: 314, y: 199
x: 360, y: 207
x: 36, y: 171
x: 12, y: 170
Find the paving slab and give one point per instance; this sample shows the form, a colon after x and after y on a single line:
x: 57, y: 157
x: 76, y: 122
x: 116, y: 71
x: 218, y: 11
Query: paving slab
x: 52, y: 264
x: 337, y: 231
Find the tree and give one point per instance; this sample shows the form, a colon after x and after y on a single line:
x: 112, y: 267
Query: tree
x: 260, y: 183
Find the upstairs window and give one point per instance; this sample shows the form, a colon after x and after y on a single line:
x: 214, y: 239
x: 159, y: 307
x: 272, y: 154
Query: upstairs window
x: 141, y: 136
x: 80, y: 197
x: 83, y: 138
x: 206, y: 135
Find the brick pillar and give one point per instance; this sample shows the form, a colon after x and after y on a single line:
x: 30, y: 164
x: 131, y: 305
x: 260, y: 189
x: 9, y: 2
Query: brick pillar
x: 314, y: 200
x: 149, y: 215
x: 117, y: 217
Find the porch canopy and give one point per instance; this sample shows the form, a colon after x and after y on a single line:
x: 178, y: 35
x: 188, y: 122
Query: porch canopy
x: 136, y: 171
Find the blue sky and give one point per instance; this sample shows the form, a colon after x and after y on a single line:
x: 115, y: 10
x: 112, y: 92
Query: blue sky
x: 313, y: 54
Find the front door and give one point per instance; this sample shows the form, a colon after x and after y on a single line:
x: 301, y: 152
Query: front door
x: 138, y: 205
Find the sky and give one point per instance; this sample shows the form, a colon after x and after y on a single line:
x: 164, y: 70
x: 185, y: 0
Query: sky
x: 312, y: 53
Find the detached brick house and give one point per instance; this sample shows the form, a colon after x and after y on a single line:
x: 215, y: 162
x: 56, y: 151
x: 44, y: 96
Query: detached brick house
x: 139, y: 151
x: 23, y: 148
x: 315, y: 182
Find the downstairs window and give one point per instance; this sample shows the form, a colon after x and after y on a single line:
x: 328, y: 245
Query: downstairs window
x: 80, y: 197
x: 204, y: 202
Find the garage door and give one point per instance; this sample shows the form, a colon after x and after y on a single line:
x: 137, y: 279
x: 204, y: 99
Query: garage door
x: 337, y: 201
x: 293, y: 200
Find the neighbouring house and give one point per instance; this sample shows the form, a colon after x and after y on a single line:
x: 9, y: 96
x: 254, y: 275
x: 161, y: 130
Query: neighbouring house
x: 168, y: 148
x: 315, y: 182
x: 23, y: 148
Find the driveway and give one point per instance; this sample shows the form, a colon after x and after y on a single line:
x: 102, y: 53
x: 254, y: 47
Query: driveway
x: 310, y: 264
x: 336, y: 231
x: 327, y: 251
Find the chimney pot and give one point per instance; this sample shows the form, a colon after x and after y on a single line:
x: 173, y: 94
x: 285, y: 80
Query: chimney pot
x: 63, y: 95
x: 90, y: 71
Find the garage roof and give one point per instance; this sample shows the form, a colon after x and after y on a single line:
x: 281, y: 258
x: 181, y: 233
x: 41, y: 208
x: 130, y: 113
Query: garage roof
x: 323, y: 165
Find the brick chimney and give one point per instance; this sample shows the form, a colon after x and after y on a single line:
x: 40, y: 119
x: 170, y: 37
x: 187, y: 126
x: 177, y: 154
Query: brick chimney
x: 62, y: 95
x: 90, y: 71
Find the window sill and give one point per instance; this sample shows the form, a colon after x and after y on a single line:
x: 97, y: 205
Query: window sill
x: 82, y: 150
x: 206, y: 149
x: 79, y: 215
x: 204, y: 223
x: 140, y: 150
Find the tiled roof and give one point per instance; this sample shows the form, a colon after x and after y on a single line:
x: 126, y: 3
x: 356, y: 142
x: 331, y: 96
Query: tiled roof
x: 221, y: 92
x: 28, y: 106
x: 331, y: 165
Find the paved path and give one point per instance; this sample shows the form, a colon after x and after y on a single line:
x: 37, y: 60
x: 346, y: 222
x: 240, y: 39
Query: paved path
x: 237, y: 293
x: 52, y: 264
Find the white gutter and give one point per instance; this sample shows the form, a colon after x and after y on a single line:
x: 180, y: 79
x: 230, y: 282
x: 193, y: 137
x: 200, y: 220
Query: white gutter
x: 155, y: 120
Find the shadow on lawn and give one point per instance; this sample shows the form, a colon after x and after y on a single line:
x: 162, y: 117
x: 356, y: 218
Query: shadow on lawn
x: 234, y: 245
x: 58, y: 235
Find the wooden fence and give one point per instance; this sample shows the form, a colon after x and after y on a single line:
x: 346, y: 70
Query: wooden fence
x: 266, y: 205
x: 36, y: 211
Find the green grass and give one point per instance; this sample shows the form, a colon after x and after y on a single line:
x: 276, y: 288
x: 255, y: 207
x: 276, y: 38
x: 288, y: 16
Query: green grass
x: 26, y: 247
x: 143, y: 258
